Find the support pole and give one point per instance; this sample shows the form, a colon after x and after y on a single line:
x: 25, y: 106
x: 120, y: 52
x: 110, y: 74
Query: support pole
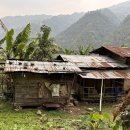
x: 100, y: 108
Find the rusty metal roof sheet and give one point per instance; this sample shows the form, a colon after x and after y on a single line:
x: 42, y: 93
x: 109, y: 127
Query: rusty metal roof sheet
x: 121, y: 51
x: 111, y: 74
x: 93, y: 61
x: 40, y: 67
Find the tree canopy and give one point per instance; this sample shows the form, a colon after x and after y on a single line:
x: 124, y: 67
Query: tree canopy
x: 46, y: 46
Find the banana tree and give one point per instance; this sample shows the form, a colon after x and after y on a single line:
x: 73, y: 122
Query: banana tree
x: 21, y: 42
x: 84, y: 50
x: 18, y: 48
x: 6, y: 52
x: 68, y: 51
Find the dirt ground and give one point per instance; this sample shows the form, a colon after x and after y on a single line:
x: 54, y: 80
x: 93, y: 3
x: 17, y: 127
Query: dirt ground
x: 85, y: 108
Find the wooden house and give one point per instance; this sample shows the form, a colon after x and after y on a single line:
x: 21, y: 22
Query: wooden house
x: 122, y: 54
x: 96, y: 70
x: 119, y: 53
x: 37, y: 83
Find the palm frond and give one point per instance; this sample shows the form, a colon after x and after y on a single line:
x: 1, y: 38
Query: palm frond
x: 20, y: 50
x: 2, y: 41
x: 9, y: 39
x: 22, y: 36
x: 30, y: 49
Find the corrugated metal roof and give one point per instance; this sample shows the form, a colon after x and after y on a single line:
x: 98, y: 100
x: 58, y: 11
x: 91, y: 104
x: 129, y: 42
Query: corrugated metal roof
x: 40, y: 67
x: 93, y: 61
x: 121, y: 51
x: 112, y: 74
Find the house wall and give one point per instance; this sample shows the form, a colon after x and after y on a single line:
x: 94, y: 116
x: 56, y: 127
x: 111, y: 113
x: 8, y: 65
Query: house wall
x: 126, y: 84
x: 35, y: 89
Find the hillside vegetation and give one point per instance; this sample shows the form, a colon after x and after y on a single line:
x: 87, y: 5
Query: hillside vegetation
x: 106, y: 26
x: 57, y: 23
x: 122, y: 34
x: 93, y: 28
x: 99, y: 27
x: 62, y: 22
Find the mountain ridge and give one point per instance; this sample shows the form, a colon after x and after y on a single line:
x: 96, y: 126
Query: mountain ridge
x: 90, y: 29
x: 57, y: 23
x: 104, y: 26
x: 98, y: 33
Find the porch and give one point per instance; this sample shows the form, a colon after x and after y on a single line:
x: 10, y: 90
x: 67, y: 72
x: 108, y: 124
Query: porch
x: 114, y: 85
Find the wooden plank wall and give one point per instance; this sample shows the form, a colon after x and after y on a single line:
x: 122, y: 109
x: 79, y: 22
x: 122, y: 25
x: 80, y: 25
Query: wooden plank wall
x: 30, y: 89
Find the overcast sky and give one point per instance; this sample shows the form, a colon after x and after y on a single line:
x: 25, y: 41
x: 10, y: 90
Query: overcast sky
x: 53, y: 7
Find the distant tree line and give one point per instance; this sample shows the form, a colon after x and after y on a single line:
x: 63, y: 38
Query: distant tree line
x: 41, y: 48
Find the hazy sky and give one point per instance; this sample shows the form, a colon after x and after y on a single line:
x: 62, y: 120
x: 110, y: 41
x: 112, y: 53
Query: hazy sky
x: 53, y: 7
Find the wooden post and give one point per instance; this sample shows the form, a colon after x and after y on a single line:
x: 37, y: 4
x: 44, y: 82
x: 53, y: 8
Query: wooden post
x: 70, y: 88
x: 100, y: 107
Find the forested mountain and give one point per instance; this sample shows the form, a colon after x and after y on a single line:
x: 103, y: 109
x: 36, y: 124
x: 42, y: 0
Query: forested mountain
x: 122, y: 34
x: 93, y: 29
x: 61, y: 22
x: 106, y: 26
x: 121, y: 10
x: 57, y: 23
x: 19, y: 22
